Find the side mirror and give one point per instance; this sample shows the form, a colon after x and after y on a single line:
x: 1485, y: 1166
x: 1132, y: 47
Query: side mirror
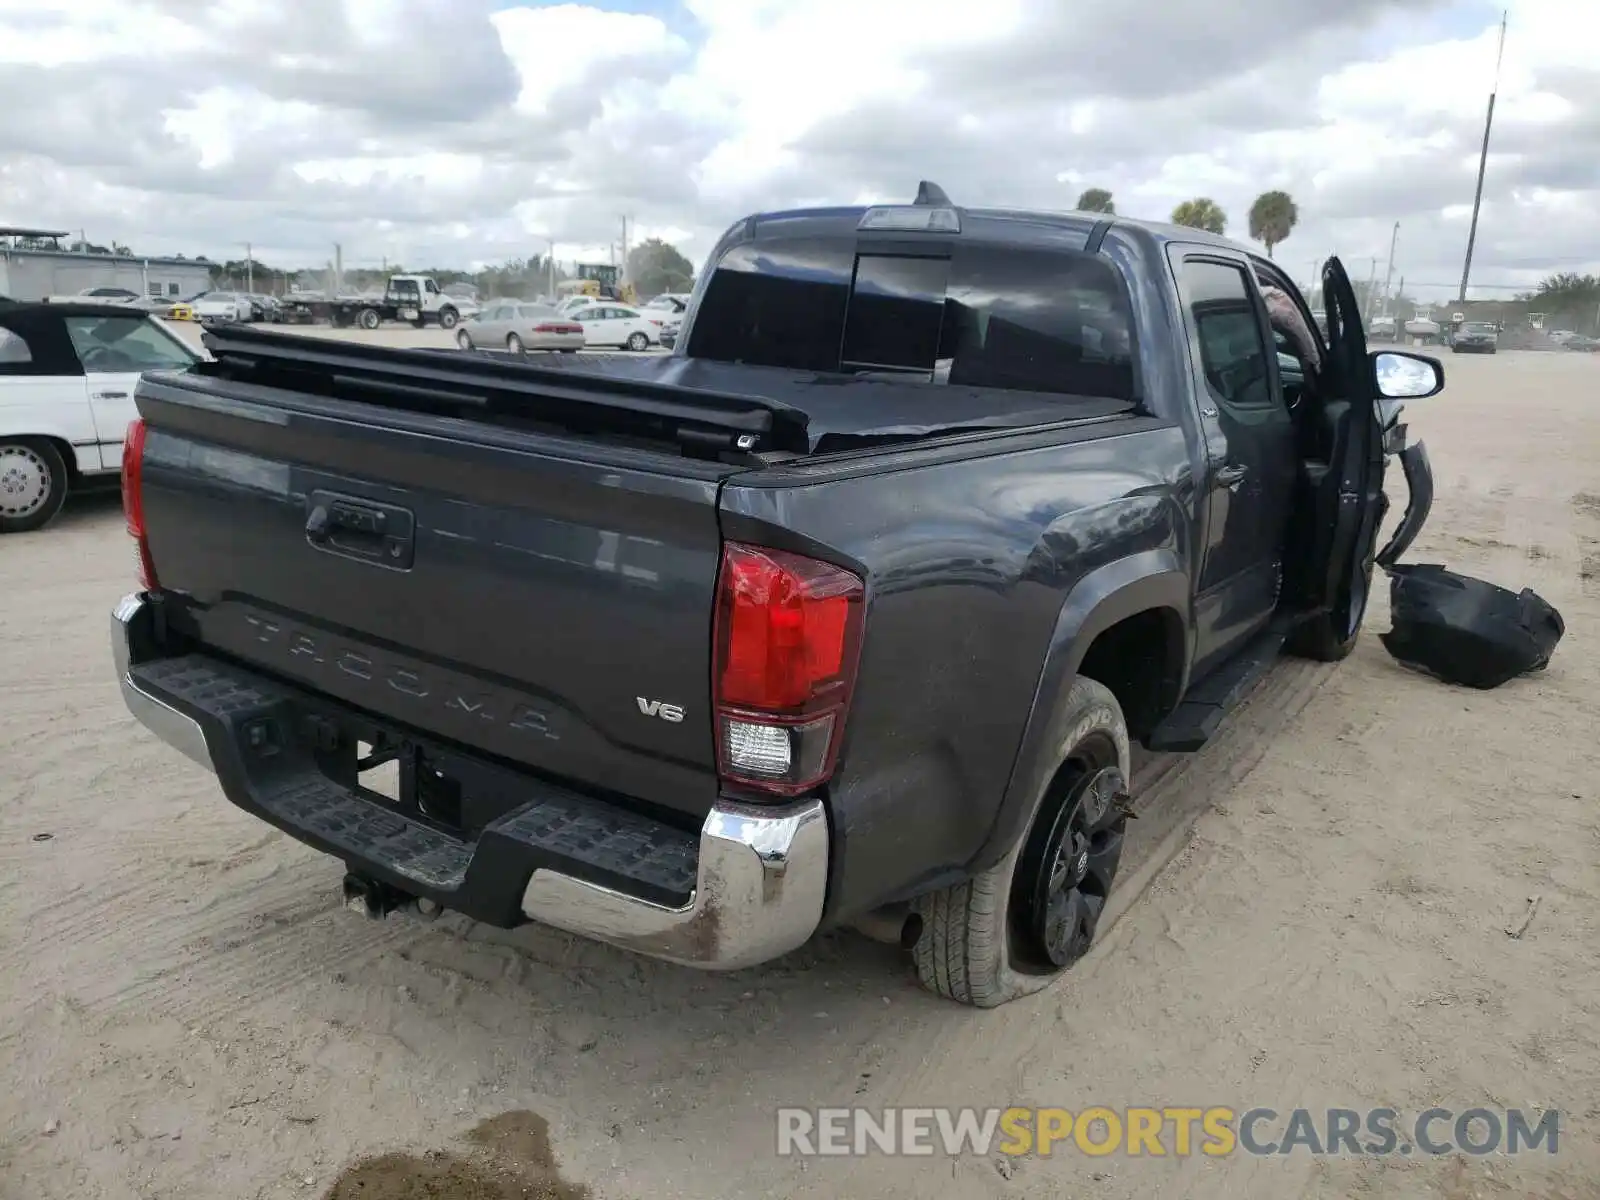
x: 1403, y: 376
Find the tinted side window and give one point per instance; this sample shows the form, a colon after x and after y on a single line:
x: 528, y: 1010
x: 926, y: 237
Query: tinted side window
x: 1038, y: 322
x: 776, y: 304
x: 1233, y: 349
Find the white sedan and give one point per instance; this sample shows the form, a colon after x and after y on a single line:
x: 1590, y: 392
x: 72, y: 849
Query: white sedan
x: 222, y: 306
x: 611, y: 324
x: 67, y: 377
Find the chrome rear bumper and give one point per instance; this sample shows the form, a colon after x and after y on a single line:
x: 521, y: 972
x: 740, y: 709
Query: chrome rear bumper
x: 761, y: 876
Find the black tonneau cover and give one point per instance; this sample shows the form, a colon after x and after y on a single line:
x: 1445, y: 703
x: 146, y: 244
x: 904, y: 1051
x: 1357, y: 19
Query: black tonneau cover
x: 845, y: 411
x: 781, y: 409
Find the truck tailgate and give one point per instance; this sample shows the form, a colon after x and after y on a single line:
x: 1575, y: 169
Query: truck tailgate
x: 535, y: 597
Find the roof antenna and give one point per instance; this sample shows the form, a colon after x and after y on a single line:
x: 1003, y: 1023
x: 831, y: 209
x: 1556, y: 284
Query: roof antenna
x: 931, y: 195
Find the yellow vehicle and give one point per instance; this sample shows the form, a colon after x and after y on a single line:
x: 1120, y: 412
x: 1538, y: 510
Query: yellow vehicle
x: 600, y: 280
x: 182, y: 311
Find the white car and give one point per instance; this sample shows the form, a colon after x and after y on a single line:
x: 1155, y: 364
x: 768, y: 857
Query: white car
x: 222, y: 306
x: 67, y: 375
x: 572, y: 304
x: 611, y: 324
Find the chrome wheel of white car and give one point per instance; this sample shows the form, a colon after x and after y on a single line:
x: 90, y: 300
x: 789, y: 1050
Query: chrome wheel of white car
x: 464, y: 340
x: 33, y: 485
x: 514, y: 343
x: 638, y: 342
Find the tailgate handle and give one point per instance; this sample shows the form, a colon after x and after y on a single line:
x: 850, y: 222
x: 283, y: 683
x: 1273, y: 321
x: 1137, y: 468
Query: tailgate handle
x: 379, y: 533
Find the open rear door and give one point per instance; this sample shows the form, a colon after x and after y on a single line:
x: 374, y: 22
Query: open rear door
x: 1357, y: 504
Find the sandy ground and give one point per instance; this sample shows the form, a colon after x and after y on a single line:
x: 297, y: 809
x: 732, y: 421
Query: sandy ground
x: 1315, y: 913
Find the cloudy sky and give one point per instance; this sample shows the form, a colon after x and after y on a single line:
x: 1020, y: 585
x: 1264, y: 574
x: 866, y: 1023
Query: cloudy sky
x: 453, y: 132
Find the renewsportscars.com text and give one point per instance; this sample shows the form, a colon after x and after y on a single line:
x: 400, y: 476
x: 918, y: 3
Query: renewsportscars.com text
x: 1166, y: 1131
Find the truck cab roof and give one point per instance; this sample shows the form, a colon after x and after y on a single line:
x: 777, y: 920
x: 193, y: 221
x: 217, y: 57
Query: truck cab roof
x: 1015, y: 225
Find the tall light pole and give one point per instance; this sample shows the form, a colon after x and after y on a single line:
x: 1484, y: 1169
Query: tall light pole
x: 249, y: 269
x: 1483, y: 161
x: 1388, y: 273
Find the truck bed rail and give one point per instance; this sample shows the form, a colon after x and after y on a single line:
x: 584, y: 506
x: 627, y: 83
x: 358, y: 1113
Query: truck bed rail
x: 452, y: 382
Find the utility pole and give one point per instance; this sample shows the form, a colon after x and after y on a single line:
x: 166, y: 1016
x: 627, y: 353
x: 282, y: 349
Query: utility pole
x: 550, y: 270
x: 1372, y: 282
x: 338, y: 270
x: 1483, y: 161
x: 1388, y: 273
x: 249, y: 269
x: 624, y: 271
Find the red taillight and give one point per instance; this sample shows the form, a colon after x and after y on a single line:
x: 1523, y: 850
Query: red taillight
x: 549, y: 328
x: 133, y: 500
x: 788, y: 635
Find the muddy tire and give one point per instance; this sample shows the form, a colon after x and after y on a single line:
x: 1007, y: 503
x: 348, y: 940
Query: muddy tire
x: 33, y: 484
x: 1014, y: 929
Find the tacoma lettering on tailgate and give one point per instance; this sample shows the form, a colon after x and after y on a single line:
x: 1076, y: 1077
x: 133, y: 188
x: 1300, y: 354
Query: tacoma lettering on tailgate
x: 326, y: 661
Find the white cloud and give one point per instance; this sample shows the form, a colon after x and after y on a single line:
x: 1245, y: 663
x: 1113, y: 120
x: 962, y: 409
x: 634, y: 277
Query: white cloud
x: 457, y: 134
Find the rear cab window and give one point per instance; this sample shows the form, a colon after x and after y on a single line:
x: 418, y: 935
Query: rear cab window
x: 974, y: 315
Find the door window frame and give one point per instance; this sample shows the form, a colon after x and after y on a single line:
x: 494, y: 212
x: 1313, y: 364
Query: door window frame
x: 1180, y: 255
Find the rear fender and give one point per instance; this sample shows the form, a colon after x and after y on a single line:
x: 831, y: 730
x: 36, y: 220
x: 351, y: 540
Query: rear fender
x: 1153, y: 579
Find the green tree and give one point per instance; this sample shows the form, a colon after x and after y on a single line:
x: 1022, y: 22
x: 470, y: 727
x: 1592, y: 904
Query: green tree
x: 1272, y: 218
x: 1096, y: 200
x: 655, y: 266
x: 1569, y: 299
x: 1201, y: 213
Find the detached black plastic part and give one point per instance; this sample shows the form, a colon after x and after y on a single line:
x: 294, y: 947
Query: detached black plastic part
x: 1465, y: 630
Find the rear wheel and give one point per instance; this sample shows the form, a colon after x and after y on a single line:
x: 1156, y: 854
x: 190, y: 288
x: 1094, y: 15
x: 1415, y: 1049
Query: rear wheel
x: 464, y: 340
x: 33, y: 484
x: 638, y: 342
x: 1013, y: 929
x: 369, y: 318
x: 514, y: 343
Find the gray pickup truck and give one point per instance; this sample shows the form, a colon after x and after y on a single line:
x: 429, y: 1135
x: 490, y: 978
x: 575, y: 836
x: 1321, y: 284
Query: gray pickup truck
x: 846, y: 613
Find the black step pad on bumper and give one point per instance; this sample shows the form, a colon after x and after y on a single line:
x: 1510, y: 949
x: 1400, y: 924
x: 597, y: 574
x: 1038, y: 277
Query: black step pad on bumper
x: 252, y: 729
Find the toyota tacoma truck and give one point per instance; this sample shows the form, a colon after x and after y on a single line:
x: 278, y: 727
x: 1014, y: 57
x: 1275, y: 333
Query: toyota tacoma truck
x: 845, y: 613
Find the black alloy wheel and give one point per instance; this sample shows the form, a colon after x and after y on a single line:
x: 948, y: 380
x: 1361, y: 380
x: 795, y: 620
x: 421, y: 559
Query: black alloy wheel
x: 1066, y: 871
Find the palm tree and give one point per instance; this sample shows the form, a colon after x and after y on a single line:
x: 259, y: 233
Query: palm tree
x: 1096, y: 200
x: 1201, y: 213
x: 1272, y: 218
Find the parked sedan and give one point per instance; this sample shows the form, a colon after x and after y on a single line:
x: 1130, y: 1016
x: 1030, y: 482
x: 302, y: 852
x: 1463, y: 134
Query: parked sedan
x: 222, y: 306
x: 519, y: 326
x: 612, y: 324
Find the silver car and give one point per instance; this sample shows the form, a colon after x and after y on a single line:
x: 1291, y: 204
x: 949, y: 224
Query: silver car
x: 519, y: 326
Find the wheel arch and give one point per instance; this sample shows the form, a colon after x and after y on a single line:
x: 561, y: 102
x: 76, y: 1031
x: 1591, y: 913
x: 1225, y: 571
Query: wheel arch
x: 1104, y: 630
